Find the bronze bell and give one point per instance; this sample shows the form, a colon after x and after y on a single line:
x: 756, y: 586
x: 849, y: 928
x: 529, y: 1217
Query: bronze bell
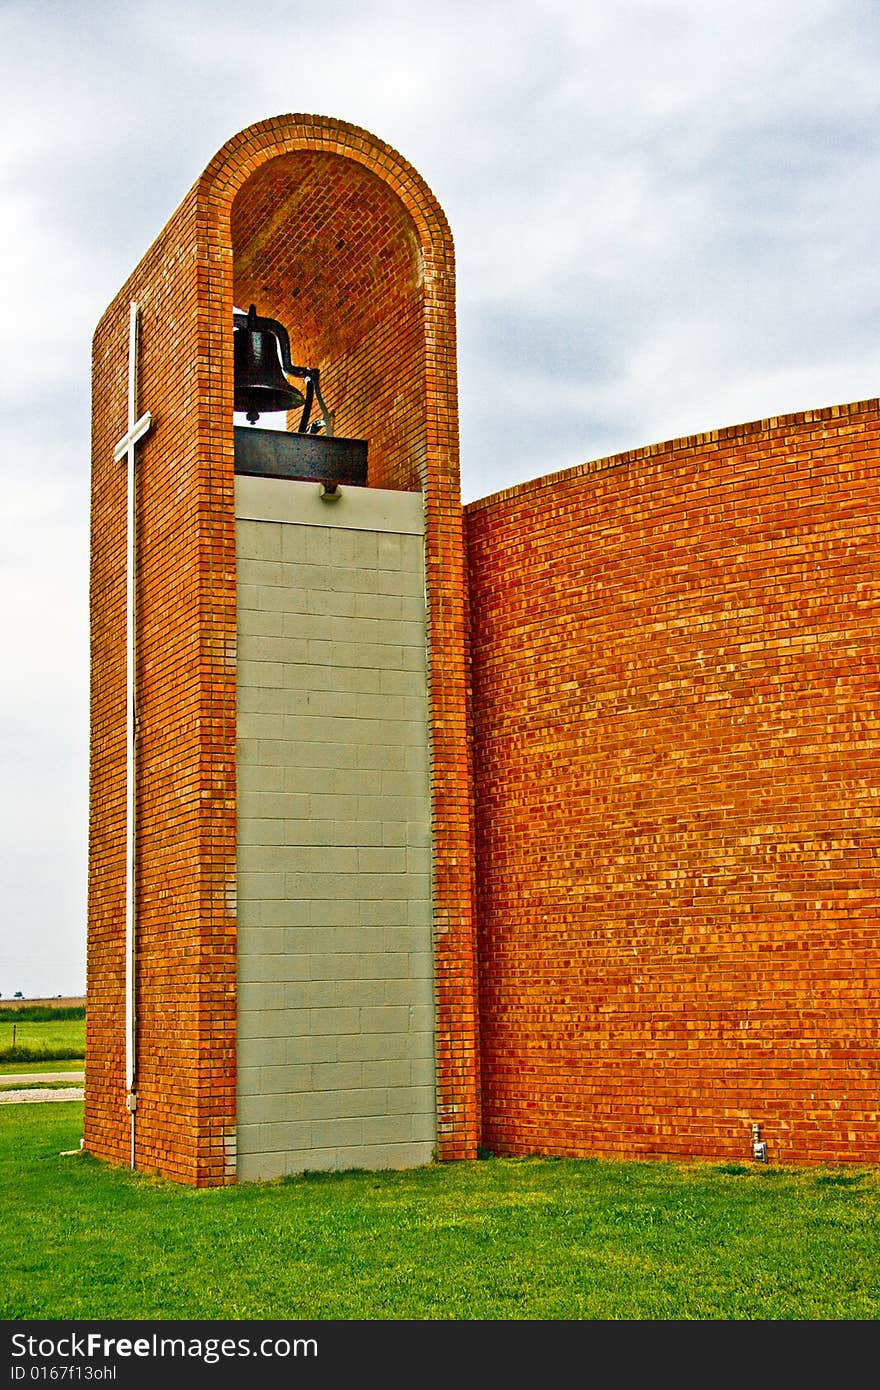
x: 261, y: 345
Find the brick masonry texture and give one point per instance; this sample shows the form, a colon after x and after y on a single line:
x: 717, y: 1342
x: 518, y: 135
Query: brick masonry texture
x: 675, y: 704
x: 369, y: 247
x: 653, y: 710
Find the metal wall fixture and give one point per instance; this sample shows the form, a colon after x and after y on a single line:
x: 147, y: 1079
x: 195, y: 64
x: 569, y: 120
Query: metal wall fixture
x: 759, y: 1145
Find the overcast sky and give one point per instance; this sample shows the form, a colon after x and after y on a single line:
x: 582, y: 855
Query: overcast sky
x: 666, y: 218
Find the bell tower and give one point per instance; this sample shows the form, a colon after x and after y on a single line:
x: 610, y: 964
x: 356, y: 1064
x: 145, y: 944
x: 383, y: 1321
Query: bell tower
x: 281, y: 959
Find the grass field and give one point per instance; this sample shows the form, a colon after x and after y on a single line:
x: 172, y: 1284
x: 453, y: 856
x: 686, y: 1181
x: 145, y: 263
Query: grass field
x: 74, y: 1064
x: 498, y: 1239
x: 29, y: 1040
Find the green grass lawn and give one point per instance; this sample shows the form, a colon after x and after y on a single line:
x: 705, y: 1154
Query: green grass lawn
x: 73, y: 1064
x: 497, y: 1239
x: 37, y: 1084
x: 49, y: 1039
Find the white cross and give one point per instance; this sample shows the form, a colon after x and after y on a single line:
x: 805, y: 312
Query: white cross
x: 126, y: 449
x: 136, y: 428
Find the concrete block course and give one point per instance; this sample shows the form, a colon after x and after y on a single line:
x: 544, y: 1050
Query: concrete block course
x: 336, y: 852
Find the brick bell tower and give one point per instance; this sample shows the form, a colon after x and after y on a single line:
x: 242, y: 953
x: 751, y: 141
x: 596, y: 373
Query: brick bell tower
x: 281, y: 955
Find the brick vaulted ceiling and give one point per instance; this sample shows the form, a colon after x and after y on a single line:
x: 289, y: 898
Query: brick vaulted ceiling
x: 325, y: 247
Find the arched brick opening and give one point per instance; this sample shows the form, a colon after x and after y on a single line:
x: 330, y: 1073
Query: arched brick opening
x: 323, y: 245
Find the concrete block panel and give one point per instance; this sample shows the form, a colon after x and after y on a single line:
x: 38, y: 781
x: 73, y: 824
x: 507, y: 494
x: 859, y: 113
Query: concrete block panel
x: 381, y: 1157
x: 340, y: 1136
x: 387, y: 1129
x: 333, y: 830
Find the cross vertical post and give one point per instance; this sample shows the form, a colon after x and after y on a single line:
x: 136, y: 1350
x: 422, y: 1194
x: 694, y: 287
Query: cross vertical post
x: 137, y: 428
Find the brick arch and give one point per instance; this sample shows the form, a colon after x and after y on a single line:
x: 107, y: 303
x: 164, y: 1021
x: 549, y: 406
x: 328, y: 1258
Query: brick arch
x: 278, y: 136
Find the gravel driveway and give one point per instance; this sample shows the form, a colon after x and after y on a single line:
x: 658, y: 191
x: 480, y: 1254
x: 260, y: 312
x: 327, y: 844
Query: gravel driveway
x: 25, y: 1090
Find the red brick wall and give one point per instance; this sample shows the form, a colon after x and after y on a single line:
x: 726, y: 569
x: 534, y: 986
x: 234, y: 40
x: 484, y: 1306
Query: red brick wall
x: 186, y: 692
x: 677, y: 768
x: 393, y: 378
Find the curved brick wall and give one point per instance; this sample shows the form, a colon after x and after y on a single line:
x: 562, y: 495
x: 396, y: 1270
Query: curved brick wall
x: 677, y: 770
x: 316, y: 205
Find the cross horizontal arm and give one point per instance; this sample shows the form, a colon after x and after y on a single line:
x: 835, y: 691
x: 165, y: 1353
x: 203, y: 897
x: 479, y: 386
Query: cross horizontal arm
x: 129, y: 440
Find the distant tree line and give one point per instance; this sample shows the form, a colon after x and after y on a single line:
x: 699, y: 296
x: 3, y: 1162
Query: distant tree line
x: 40, y: 1013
